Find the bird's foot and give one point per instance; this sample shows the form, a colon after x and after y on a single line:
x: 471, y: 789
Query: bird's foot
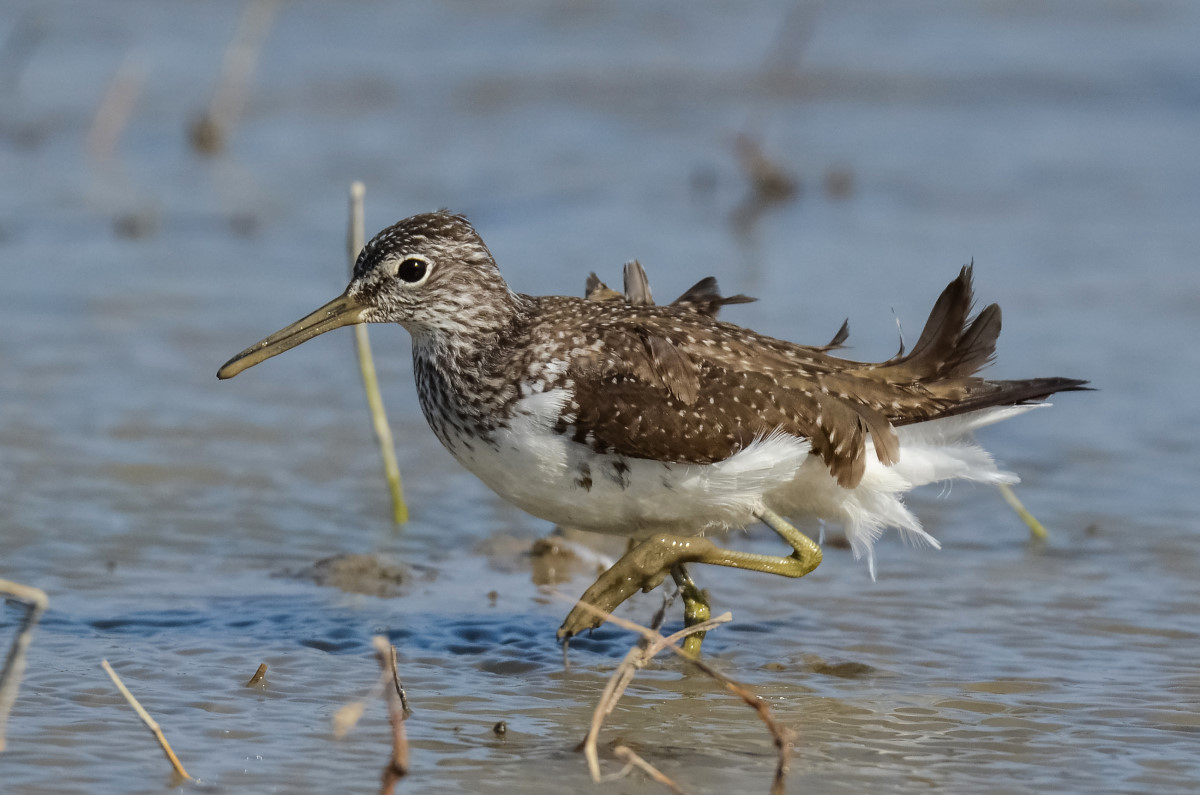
x: 646, y: 565
x: 643, y: 568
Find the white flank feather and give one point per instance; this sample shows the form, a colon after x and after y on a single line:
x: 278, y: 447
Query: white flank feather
x: 553, y: 477
x: 930, y: 452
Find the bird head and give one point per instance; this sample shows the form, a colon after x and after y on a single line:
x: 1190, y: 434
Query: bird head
x: 431, y: 273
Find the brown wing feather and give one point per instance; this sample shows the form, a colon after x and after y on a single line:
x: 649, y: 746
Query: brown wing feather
x: 672, y: 384
x: 673, y: 367
x: 705, y: 297
x: 839, y: 339
x: 681, y: 401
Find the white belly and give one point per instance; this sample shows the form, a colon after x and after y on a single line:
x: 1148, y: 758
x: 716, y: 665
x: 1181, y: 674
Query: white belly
x: 560, y: 480
x: 555, y: 478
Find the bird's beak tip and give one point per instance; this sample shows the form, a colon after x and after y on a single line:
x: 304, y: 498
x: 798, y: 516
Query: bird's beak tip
x: 341, y: 311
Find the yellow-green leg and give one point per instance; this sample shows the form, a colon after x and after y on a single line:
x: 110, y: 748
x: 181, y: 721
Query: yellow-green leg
x: 695, y: 607
x: 645, y: 566
x: 1037, y: 530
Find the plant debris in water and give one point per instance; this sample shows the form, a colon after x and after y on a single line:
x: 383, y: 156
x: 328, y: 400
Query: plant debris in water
x: 371, y: 575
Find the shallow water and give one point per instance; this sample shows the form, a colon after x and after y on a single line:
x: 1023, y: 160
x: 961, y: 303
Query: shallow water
x: 163, y: 511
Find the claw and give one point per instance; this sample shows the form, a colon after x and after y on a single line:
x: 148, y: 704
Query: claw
x: 643, y: 568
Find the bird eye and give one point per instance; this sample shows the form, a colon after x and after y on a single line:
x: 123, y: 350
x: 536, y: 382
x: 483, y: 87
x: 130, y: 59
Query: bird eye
x: 412, y: 270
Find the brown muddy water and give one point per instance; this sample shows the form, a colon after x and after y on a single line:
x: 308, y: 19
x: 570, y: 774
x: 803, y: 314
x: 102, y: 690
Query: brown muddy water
x: 175, y: 521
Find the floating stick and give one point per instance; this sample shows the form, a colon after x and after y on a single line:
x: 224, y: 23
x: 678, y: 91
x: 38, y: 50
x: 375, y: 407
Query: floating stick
x: 35, y: 601
x: 397, y: 766
x: 151, y: 724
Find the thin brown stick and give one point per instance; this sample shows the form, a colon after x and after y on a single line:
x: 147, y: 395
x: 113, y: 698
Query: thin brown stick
x: 781, y: 735
x: 635, y: 659
x: 347, y: 718
x: 259, y: 675
x: 627, y: 754
x: 398, y: 684
x: 355, y: 240
x: 397, y: 766
x: 151, y: 724
x: 210, y: 131
x: 112, y: 116
x: 35, y: 601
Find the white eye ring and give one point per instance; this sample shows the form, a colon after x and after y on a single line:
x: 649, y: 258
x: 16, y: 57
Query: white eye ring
x: 413, y: 269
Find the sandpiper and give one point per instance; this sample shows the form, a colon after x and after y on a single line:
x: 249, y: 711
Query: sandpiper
x: 664, y: 424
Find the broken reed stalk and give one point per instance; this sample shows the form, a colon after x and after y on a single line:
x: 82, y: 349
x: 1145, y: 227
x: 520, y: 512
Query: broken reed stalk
x: 348, y: 716
x: 210, y: 132
x: 634, y: 659
x: 259, y: 675
x: 398, y: 684
x: 356, y: 239
x: 397, y: 766
x: 1036, y: 528
x: 392, y: 689
x: 112, y: 116
x: 781, y: 735
x: 35, y: 601
x: 151, y: 724
x: 627, y: 754
x: 647, y: 647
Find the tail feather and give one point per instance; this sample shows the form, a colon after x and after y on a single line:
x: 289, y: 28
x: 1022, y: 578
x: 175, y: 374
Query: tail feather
x: 949, y: 345
x: 981, y: 394
x: 976, y: 348
x: 637, y: 285
x: 939, y: 338
x: 952, y: 348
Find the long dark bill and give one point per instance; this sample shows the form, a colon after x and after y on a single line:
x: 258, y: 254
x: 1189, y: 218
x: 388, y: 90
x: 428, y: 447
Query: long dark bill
x: 341, y: 311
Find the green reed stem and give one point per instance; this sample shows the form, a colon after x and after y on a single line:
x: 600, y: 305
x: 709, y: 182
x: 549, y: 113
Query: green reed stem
x: 356, y: 239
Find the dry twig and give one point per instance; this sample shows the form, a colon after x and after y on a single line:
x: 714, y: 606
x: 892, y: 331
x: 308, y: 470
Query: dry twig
x: 35, y: 601
x: 392, y: 689
x: 209, y: 132
x: 151, y: 724
x: 355, y: 240
x: 348, y: 716
x: 632, y: 759
x: 112, y: 116
x: 397, y: 683
x: 634, y: 659
x: 397, y: 766
x: 655, y: 643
